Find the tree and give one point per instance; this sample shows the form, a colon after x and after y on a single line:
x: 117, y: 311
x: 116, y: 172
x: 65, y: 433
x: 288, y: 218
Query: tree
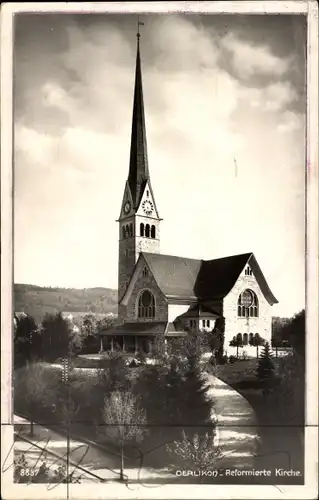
x: 219, y: 334
x: 104, y: 323
x: 196, y: 406
x: 294, y: 331
x: 27, y: 340
x: 59, y: 337
x: 288, y: 396
x: 124, y: 420
x: 88, y: 326
x: 266, y: 367
x: 196, y: 451
x: 257, y: 341
x: 112, y: 375
x: 34, y: 390
x: 236, y: 342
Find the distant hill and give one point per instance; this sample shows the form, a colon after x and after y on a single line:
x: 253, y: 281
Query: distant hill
x: 37, y: 300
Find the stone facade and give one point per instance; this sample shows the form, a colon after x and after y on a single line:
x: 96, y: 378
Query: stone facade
x: 235, y: 324
x: 161, y: 306
x: 131, y: 246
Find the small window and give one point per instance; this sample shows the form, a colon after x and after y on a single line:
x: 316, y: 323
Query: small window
x: 123, y: 233
x: 147, y: 193
x: 145, y: 272
x: 204, y: 322
x: 147, y: 231
x: 153, y: 232
x: 141, y: 229
x: 245, y: 339
x: 208, y: 322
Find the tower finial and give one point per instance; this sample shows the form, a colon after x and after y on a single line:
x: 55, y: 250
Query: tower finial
x: 139, y: 23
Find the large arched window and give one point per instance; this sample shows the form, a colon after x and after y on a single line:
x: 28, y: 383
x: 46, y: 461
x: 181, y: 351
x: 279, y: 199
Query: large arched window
x: 146, y: 305
x: 245, y: 339
x: 248, y: 304
x: 153, y: 232
x: 147, y: 230
x: 141, y: 229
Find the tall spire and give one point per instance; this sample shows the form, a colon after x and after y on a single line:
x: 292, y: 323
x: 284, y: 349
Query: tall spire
x: 138, y: 172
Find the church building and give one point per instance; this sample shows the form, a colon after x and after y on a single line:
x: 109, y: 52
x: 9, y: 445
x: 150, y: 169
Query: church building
x: 169, y: 296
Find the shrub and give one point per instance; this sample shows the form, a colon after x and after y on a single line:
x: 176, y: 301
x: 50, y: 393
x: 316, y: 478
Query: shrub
x: 197, y: 451
x: 232, y: 359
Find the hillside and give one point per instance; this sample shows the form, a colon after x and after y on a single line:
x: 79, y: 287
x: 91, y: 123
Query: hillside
x: 37, y: 300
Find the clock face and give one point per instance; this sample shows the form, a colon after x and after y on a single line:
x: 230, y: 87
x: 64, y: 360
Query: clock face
x: 127, y: 207
x: 147, y: 207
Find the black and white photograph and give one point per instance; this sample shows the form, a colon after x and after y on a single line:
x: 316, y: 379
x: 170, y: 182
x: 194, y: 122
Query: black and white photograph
x: 159, y: 250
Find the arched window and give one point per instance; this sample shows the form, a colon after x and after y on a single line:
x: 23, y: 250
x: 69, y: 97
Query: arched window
x: 153, y: 232
x: 251, y: 337
x: 127, y: 229
x: 147, y: 231
x: 146, y: 305
x: 245, y: 339
x: 145, y: 271
x: 248, y: 304
x: 240, y: 338
x: 131, y: 229
x: 123, y: 232
x: 142, y: 229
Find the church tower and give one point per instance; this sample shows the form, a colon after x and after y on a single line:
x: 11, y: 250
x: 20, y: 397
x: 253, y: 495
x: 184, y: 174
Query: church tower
x: 139, y: 220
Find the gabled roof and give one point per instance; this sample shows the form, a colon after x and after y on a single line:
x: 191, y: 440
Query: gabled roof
x: 137, y: 328
x: 147, y: 328
x: 199, y: 311
x: 180, y: 277
x: 174, y: 329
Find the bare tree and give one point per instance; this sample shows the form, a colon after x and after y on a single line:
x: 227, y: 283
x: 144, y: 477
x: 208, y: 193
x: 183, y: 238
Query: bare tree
x: 124, y: 420
x: 196, y: 451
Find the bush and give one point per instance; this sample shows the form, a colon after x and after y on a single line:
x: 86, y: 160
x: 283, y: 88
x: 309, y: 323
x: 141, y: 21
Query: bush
x: 222, y: 360
x: 232, y: 359
x: 197, y: 451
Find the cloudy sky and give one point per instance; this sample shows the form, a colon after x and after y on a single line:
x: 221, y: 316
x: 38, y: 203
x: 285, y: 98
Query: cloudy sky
x: 218, y: 91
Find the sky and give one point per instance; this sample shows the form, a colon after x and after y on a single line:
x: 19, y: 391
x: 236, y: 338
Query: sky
x: 224, y: 100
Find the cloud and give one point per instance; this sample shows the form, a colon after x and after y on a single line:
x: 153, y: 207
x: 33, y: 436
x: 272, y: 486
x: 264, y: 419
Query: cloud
x: 72, y: 140
x: 248, y: 60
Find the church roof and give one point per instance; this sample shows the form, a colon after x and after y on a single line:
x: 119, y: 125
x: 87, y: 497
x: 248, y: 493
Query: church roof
x: 138, y: 171
x: 199, y: 311
x: 147, y: 328
x: 137, y: 328
x: 202, y: 279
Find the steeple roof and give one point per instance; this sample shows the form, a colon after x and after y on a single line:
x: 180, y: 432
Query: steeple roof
x: 138, y: 172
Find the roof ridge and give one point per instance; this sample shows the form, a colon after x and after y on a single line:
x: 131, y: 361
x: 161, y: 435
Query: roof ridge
x: 197, y: 260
